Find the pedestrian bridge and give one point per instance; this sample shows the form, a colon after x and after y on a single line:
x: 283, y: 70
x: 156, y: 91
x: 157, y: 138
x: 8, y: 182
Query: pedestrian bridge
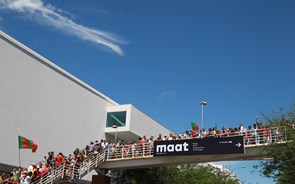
x: 251, y: 153
x: 143, y: 156
x: 238, y: 146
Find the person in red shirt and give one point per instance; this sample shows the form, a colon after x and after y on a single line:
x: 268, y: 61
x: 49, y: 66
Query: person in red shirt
x: 44, y: 171
x: 140, y: 143
x: 266, y: 135
x: 59, y: 159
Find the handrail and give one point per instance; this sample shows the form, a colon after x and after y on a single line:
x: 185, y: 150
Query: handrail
x: 254, y: 137
x: 112, y: 152
x: 72, y: 171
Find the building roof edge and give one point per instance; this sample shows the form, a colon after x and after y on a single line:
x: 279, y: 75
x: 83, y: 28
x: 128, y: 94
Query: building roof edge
x: 57, y: 68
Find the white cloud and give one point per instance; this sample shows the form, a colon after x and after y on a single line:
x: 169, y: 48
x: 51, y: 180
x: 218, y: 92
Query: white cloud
x: 167, y: 95
x: 54, y: 17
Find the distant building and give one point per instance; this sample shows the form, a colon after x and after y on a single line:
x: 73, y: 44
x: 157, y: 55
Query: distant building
x: 225, y: 170
x: 43, y: 102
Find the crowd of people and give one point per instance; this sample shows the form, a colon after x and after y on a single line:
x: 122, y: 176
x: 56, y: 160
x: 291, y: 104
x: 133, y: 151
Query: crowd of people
x: 254, y: 134
x: 257, y: 133
x: 51, y: 162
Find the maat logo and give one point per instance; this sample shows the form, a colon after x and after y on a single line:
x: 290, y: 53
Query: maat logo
x: 172, y: 147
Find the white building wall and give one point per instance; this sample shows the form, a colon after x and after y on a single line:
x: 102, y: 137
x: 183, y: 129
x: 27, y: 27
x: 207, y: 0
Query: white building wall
x: 137, y: 124
x: 141, y: 124
x: 46, y: 104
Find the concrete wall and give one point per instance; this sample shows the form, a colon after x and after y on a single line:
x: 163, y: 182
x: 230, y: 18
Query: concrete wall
x: 42, y: 102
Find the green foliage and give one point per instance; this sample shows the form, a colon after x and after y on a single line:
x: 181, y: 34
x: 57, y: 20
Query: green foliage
x: 281, y: 163
x: 180, y: 174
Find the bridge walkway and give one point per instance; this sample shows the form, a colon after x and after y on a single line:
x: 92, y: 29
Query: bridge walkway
x: 143, y: 156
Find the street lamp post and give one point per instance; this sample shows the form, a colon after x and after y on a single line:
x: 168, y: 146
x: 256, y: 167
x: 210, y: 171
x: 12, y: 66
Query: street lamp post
x: 115, y: 127
x: 203, y: 103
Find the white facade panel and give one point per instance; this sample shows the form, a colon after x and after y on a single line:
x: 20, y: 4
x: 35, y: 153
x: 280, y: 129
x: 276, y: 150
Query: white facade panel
x: 137, y: 124
x: 141, y: 124
x: 44, y: 104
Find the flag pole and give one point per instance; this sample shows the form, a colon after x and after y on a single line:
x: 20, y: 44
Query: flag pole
x: 19, y: 162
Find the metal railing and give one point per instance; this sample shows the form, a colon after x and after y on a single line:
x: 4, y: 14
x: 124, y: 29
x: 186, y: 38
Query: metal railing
x: 72, y: 171
x: 254, y: 137
x: 129, y: 151
x: 77, y: 170
x: 265, y: 136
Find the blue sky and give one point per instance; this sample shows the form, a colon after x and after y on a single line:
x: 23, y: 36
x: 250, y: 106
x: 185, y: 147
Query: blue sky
x: 165, y: 57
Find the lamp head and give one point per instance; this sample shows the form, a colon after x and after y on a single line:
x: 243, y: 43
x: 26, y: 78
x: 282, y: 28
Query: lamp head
x: 203, y: 103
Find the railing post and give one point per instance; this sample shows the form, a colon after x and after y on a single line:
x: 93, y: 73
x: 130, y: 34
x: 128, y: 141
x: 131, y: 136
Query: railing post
x: 88, y: 165
x: 53, y: 174
x: 256, y: 137
x: 63, y: 170
x: 96, y: 159
x: 41, y: 178
x: 52, y: 178
x: 79, y: 171
x: 104, y: 155
x: 275, y: 135
x: 108, y: 152
x: 73, y: 171
x: 143, y: 149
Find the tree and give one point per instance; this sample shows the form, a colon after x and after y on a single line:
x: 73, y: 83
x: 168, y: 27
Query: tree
x: 281, y: 165
x: 179, y: 174
x: 207, y: 174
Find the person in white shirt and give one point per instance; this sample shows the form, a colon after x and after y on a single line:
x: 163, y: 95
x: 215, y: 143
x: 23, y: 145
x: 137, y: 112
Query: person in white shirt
x: 241, y: 129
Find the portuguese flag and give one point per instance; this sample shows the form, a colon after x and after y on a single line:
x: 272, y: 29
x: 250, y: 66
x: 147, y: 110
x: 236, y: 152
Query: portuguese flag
x: 25, y: 143
x: 194, y: 126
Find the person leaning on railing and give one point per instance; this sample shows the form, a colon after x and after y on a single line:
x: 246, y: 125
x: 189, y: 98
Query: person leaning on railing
x: 50, y: 159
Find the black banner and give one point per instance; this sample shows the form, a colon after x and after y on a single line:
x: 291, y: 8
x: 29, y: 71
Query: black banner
x: 206, y: 146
